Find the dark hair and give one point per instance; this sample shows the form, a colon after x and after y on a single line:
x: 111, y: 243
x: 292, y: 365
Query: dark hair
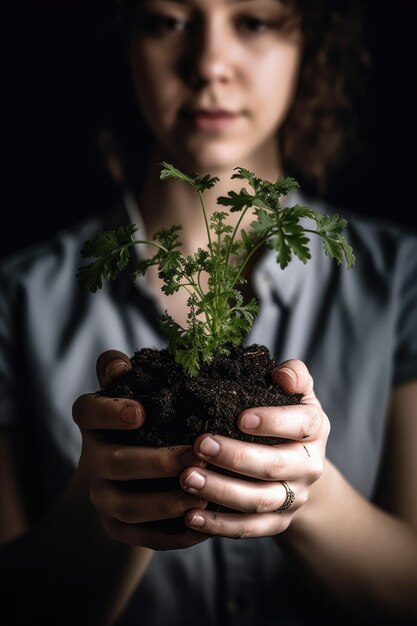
x: 322, y: 127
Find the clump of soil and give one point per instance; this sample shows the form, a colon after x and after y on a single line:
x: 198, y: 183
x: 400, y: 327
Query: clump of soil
x: 178, y: 408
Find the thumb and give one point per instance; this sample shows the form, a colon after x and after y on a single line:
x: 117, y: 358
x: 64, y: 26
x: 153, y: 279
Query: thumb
x: 294, y: 377
x: 110, y: 365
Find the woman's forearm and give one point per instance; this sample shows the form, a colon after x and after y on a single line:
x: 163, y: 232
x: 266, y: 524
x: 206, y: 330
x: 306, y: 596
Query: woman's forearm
x: 366, y: 557
x: 68, y: 570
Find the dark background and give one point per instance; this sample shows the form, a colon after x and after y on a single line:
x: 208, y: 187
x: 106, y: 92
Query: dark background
x: 65, y: 78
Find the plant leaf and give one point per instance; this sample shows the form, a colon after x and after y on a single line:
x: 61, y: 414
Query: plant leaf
x: 200, y: 183
x: 330, y: 229
x: 237, y: 201
x: 111, y: 249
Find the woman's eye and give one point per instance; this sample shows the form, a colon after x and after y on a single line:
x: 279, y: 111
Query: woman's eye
x: 171, y: 23
x: 254, y: 24
x: 162, y: 24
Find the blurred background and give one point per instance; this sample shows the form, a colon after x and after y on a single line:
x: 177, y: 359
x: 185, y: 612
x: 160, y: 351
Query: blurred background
x: 67, y: 80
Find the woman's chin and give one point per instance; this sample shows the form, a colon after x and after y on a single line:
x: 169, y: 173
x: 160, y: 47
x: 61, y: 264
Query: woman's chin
x: 211, y: 157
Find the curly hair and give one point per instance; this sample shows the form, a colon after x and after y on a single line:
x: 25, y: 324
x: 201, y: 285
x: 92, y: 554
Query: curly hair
x: 322, y: 127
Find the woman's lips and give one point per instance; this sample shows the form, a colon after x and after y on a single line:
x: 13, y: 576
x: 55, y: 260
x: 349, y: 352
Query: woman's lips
x: 212, y: 119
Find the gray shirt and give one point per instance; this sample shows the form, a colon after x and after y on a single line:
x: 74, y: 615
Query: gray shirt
x: 355, y: 329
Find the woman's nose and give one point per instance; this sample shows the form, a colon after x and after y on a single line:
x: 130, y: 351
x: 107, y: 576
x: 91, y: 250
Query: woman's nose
x: 212, y: 56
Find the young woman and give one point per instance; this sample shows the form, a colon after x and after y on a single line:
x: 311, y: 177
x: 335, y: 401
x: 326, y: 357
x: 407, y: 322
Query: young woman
x: 260, y: 84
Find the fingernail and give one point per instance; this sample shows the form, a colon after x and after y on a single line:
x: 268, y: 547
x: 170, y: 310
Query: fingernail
x: 209, y: 447
x: 113, y: 370
x: 130, y: 414
x: 288, y: 372
x: 250, y: 421
x: 198, y: 521
x: 195, y: 481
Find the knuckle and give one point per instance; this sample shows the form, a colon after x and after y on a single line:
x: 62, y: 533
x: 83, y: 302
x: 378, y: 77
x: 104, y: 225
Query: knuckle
x: 159, y: 464
x: 263, y: 504
x: 273, y: 469
x: 314, y: 419
x: 284, y: 522
x: 124, y: 510
x: 222, y: 492
x: 301, y: 499
x: 156, y: 464
x: 316, y: 469
x: 247, y: 531
x: 238, y: 458
x: 303, y: 432
x: 170, y: 506
x: 308, y: 423
x: 118, y: 463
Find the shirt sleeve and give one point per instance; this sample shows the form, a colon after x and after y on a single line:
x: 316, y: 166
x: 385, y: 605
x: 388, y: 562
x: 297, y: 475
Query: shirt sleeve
x: 405, y: 356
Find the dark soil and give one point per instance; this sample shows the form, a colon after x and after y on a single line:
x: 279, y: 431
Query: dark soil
x: 178, y: 408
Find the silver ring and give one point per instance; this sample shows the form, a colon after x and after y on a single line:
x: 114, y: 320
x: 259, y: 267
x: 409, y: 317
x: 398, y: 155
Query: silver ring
x: 289, y: 500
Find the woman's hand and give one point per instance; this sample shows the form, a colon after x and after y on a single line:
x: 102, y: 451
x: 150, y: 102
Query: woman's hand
x: 283, y: 473
x: 104, y: 465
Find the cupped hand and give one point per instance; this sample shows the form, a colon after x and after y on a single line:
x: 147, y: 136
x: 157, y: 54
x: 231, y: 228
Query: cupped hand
x: 105, y: 466
x: 282, y: 474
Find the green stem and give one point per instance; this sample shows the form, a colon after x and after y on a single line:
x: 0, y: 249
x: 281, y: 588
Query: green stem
x: 198, y: 281
x: 313, y: 232
x: 272, y: 233
x: 206, y: 223
x: 233, y: 237
x: 196, y: 288
x: 150, y: 243
x: 251, y: 253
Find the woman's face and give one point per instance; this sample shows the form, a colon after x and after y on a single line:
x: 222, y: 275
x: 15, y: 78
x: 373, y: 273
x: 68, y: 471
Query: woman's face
x: 214, y: 79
